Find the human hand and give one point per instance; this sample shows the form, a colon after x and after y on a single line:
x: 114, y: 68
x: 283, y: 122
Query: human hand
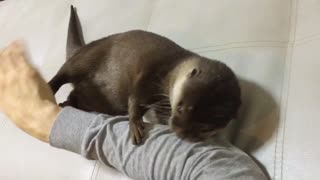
x: 25, y: 97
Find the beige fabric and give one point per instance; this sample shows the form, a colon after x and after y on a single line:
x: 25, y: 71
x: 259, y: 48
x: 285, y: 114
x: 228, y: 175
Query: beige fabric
x: 272, y: 45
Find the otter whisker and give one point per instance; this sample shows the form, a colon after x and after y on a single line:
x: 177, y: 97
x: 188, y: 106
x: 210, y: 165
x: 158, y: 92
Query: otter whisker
x: 163, y: 105
x: 156, y: 105
x: 163, y: 117
x: 165, y: 95
x: 157, y: 84
x: 163, y: 102
x: 163, y: 112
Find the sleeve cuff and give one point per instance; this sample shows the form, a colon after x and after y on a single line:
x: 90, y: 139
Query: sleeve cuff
x: 69, y: 129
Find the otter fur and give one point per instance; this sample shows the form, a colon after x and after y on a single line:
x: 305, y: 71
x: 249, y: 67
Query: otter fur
x: 134, y: 71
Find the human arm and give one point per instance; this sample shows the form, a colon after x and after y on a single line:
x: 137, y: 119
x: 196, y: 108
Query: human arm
x: 162, y: 156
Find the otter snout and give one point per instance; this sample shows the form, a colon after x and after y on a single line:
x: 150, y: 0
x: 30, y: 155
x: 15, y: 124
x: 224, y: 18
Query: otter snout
x: 190, y: 131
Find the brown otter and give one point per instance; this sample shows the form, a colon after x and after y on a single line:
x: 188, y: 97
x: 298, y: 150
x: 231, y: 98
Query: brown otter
x: 134, y: 71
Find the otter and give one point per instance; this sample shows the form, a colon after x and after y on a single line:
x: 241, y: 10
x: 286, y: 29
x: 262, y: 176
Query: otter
x: 135, y: 71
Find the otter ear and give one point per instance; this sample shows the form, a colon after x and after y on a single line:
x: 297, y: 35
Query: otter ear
x: 193, y: 72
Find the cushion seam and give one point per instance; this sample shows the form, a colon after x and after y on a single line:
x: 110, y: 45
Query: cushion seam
x: 280, y: 137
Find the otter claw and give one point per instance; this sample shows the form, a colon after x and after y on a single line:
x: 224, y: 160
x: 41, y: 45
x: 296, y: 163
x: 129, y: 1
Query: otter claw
x: 136, y: 132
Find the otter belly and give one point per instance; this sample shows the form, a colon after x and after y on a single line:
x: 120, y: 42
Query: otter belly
x: 89, y: 96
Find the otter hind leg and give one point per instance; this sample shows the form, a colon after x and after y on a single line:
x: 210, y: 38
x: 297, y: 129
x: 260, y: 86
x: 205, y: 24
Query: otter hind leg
x: 57, y: 81
x: 72, y: 100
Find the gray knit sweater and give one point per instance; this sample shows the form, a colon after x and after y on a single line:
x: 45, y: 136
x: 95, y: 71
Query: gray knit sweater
x: 163, y: 156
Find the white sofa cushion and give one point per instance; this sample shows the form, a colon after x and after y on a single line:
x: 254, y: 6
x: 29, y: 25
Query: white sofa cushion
x: 272, y: 45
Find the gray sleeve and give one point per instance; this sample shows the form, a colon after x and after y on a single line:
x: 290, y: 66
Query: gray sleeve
x: 163, y: 156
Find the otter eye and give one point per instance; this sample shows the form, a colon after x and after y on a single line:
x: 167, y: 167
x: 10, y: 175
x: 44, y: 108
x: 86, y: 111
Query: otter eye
x: 193, y: 72
x: 179, y: 107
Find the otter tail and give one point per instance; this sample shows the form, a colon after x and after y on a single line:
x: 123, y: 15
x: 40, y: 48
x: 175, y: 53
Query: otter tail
x: 75, y: 38
x: 74, y: 42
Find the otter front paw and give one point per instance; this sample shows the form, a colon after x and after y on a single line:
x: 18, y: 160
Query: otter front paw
x: 136, y: 131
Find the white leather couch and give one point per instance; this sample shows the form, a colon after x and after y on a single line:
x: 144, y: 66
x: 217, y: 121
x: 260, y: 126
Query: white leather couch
x: 273, y: 46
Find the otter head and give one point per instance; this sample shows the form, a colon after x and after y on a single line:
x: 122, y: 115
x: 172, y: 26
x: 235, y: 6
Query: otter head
x: 205, y: 97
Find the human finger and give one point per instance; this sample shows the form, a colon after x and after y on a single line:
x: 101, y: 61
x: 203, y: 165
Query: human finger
x: 19, y: 56
x: 7, y: 59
